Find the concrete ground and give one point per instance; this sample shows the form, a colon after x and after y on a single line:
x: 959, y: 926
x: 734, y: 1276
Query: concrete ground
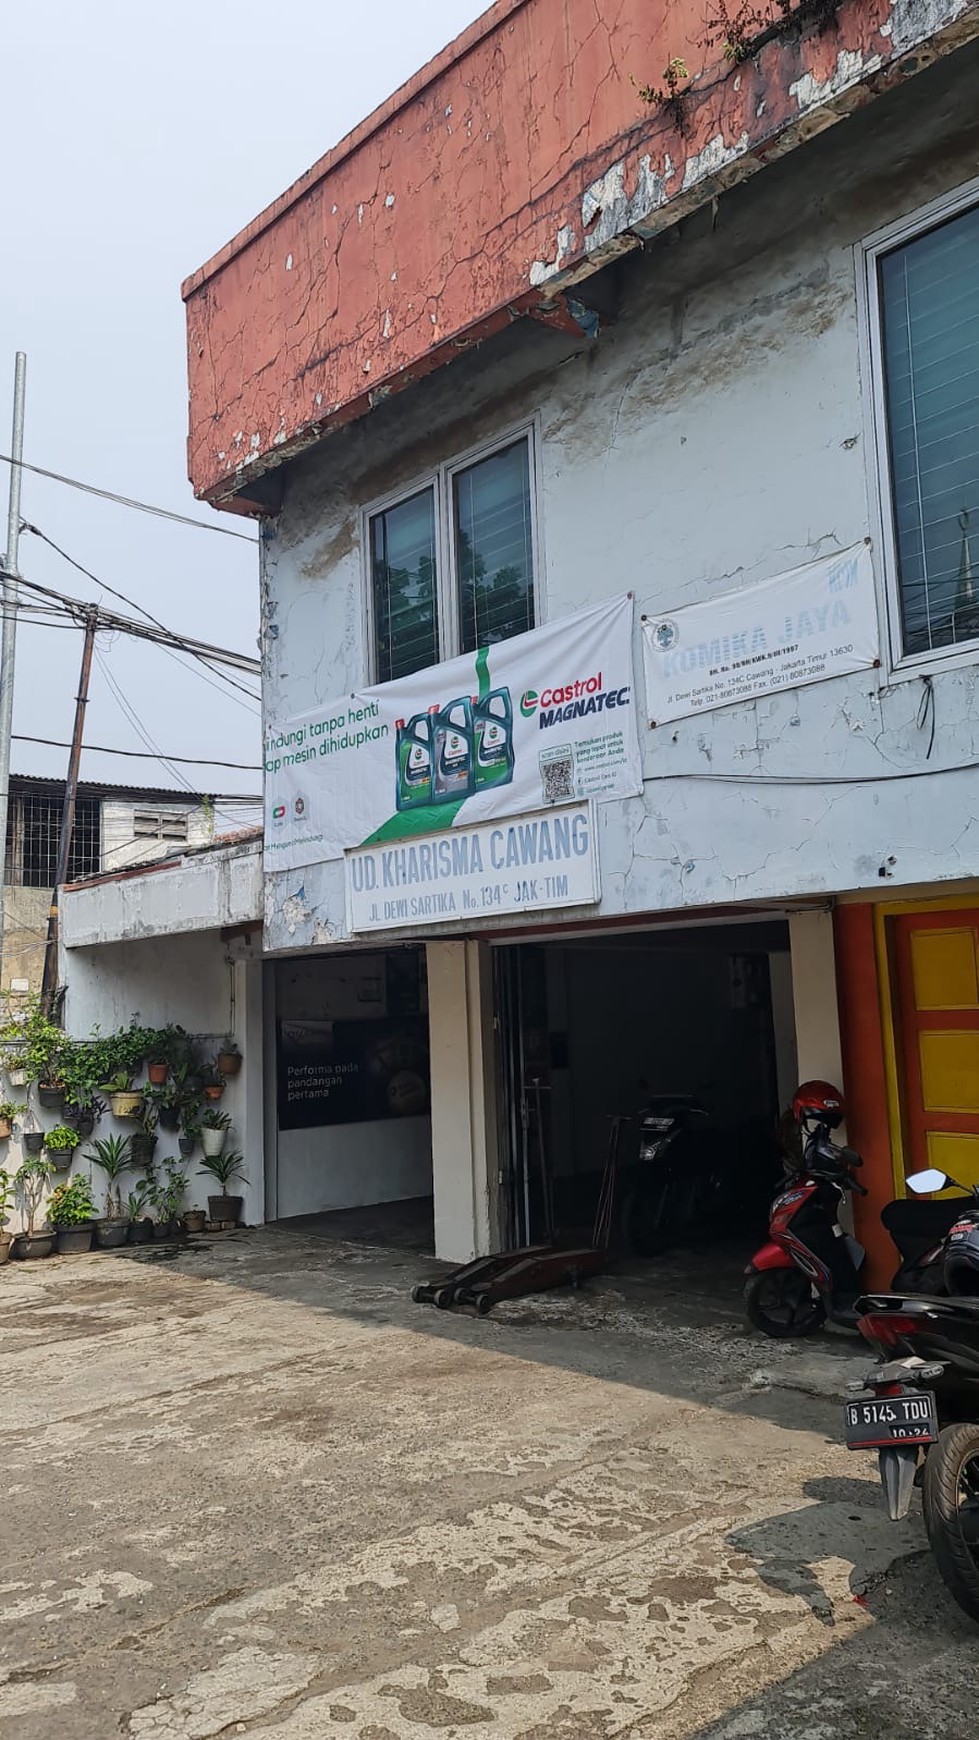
x: 253, y: 1490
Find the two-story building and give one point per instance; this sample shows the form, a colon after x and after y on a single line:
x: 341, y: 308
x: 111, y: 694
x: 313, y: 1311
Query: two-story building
x: 609, y: 400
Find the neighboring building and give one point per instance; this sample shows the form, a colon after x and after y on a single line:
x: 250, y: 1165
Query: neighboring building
x: 524, y: 343
x: 115, y: 826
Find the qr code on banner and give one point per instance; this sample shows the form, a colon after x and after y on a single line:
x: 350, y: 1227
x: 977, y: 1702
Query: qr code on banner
x: 557, y: 775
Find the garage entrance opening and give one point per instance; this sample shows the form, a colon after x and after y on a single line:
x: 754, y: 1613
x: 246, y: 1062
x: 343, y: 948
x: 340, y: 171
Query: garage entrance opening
x: 353, y: 1096
x: 694, y: 1023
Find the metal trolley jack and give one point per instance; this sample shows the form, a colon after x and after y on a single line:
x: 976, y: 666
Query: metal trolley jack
x: 533, y: 1268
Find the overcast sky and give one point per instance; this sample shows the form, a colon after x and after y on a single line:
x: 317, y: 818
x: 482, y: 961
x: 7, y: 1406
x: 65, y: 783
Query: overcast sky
x: 137, y: 141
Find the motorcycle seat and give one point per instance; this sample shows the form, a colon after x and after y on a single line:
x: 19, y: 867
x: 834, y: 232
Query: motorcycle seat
x: 916, y: 1226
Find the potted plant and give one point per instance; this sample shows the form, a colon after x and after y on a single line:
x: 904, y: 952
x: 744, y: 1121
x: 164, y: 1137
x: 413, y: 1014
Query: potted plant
x: 123, y: 1102
x: 8, y: 1112
x: 168, y: 1103
x: 84, y: 1114
x: 6, y: 1198
x: 71, y: 1212
x: 111, y: 1156
x: 51, y: 1095
x: 224, y: 1167
x: 140, y: 1224
x: 214, y: 1127
x: 61, y: 1143
x: 194, y: 1221
x: 189, y: 1140
x: 35, y: 1047
x: 32, y: 1141
x: 85, y: 1064
x: 143, y: 1140
x: 166, y: 1195
x: 30, y: 1179
x: 229, y: 1058
x: 16, y: 1073
x: 213, y: 1085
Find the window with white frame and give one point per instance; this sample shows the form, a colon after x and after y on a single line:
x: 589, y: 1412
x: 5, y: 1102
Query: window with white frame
x: 924, y: 308
x: 452, y: 563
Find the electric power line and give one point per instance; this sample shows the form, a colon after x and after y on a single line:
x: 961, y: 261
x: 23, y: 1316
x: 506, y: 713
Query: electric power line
x: 129, y: 501
x: 140, y: 754
x: 137, y: 723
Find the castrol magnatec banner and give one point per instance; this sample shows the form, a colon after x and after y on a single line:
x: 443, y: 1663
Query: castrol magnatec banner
x: 545, y: 718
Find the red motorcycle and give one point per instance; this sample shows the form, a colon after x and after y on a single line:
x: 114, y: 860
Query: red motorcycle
x: 810, y: 1268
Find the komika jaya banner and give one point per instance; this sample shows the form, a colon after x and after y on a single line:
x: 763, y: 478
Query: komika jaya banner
x: 801, y: 627
x: 545, y: 718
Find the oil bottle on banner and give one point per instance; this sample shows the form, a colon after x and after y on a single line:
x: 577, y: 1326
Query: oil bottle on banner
x: 448, y: 753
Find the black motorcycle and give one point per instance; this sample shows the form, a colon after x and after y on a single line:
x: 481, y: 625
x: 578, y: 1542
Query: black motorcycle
x: 919, y: 1408
x: 689, y: 1175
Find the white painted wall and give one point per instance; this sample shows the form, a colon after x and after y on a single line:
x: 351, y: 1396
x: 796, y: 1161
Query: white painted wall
x: 205, y: 984
x: 203, y: 892
x: 463, y: 1099
x: 714, y: 437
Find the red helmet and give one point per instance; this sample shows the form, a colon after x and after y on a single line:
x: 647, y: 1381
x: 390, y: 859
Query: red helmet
x: 818, y: 1099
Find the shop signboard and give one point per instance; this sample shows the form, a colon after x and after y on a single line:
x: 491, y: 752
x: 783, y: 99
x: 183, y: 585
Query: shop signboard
x: 518, y: 864
x: 800, y: 627
x: 543, y: 719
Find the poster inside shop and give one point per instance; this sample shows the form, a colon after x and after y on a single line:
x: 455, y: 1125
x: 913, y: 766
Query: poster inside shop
x: 352, y: 1072
x: 545, y: 718
x: 800, y: 627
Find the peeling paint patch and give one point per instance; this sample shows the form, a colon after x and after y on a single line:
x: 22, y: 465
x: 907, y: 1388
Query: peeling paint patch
x: 542, y: 270
x: 913, y: 21
x: 851, y: 65
x: 712, y: 158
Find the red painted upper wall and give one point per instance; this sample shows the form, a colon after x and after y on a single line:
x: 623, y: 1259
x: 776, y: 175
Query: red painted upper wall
x: 520, y: 159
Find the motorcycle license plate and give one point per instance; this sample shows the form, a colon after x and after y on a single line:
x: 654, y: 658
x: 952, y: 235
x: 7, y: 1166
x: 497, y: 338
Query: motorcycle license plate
x: 909, y: 1419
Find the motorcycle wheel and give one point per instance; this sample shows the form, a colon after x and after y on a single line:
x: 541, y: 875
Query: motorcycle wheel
x: 951, y: 1504
x: 780, y: 1303
x: 653, y: 1218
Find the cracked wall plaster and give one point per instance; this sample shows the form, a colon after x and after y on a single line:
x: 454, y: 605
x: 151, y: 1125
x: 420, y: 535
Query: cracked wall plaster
x: 386, y: 277
x: 708, y: 443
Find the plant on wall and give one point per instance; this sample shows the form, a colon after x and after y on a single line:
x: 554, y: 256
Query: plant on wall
x: 30, y: 1180
x: 61, y: 1143
x: 33, y: 1044
x: 111, y: 1155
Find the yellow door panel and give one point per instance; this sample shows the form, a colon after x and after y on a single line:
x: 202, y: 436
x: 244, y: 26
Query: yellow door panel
x: 943, y: 967
x: 956, y: 1155
x: 950, y: 1071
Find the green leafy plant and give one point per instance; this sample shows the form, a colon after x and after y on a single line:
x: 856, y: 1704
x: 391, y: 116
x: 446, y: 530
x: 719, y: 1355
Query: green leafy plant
x: 148, y: 1118
x: 33, y: 1043
x: 9, y: 1111
x: 167, y: 1193
x: 212, y: 1119
x: 6, y: 1196
x: 71, y: 1203
x: 62, y: 1139
x: 670, y: 95
x: 30, y: 1179
x: 138, y: 1201
x: 223, y: 1167
x: 85, y: 1065
x: 120, y: 1082
x: 111, y: 1155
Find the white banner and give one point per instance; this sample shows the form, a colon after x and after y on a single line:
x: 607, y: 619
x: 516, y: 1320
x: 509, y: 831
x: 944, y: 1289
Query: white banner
x: 548, y: 859
x: 544, y: 718
x: 800, y: 627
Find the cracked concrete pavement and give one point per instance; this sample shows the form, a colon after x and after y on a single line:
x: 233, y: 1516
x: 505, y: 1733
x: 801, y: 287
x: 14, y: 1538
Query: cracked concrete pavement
x: 254, y: 1490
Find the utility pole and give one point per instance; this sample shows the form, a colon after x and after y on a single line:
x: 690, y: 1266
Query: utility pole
x: 8, y: 640
x: 49, y: 982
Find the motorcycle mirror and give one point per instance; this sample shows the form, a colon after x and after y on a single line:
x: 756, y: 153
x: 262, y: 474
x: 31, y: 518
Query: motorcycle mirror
x: 922, y: 1183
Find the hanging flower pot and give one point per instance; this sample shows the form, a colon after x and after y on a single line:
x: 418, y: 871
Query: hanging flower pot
x: 142, y: 1147
x: 125, y: 1105
x: 32, y: 1141
x: 6, y: 1129
x: 82, y: 1121
x: 214, y: 1091
x: 229, y: 1062
x: 212, y: 1141
x: 51, y: 1096
x: 187, y: 1144
x: 158, y: 1073
x: 170, y: 1118
x: 17, y: 1077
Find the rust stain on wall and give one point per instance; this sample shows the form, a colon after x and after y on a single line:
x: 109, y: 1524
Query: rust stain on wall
x: 512, y: 167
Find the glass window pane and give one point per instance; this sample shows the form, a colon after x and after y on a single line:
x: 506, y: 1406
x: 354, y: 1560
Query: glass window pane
x: 403, y: 578
x: 929, y: 292
x: 494, y: 547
